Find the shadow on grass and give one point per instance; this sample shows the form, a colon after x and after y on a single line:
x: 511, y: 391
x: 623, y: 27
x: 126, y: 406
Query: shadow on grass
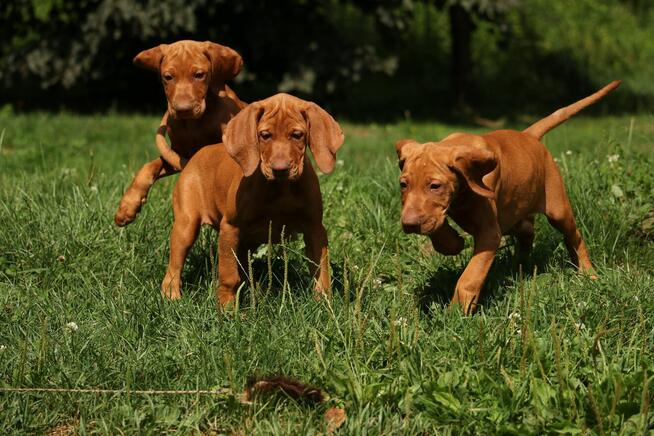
x: 507, y: 268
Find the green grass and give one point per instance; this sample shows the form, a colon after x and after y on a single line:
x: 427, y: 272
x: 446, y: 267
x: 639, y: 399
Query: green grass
x: 577, y: 359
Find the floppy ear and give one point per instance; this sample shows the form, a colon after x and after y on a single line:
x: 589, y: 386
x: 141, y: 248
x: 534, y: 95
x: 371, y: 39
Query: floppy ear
x: 325, y: 137
x: 399, y: 145
x: 473, y: 164
x: 150, y: 59
x: 242, y: 140
x: 225, y: 63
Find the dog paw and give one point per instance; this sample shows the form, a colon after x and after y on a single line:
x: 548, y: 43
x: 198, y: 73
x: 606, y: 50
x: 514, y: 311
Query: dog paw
x: 226, y: 299
x: 126, y: 214
x: 467, y: 301
x: 170, y: 288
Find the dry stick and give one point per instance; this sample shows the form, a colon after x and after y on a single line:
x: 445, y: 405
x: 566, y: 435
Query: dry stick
x: 221, y: 392
x: 167, y: 153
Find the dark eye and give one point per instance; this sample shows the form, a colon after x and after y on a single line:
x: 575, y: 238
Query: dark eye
x: 297, y: 134
x: 200, y: 75
x: 168, y: 77
x: 265, y: 135
x: 403, y: 185
x: 434, y: 186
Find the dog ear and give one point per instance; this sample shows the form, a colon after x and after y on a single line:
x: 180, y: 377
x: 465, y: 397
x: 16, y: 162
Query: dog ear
x: 150, y: 59
x: 399, y: 145
x: 325, y: 137
x: 225, y: 63
x: 241, y: 138
x: 473, y: 163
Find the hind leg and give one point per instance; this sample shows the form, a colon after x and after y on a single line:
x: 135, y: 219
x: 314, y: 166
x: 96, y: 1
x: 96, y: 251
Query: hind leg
x: 559, y: 214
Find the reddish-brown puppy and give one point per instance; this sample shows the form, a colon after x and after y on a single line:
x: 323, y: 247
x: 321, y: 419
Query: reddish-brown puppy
x: 268, y: 183
x: 200, y: 104
x: 490, y: 185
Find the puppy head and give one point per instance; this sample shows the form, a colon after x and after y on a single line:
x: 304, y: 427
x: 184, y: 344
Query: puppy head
x: 189, y: 70
x: 435, y: 173
x: 275, y: 133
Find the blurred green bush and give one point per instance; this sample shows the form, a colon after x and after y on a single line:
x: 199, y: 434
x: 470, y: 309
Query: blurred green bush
x: 363, y: 59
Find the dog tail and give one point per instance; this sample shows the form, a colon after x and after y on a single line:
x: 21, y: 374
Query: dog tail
x: 540, y: 128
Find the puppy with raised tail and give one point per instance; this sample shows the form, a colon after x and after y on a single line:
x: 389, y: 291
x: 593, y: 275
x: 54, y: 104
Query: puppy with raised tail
x: 259, y: 179
x: 490, y: 185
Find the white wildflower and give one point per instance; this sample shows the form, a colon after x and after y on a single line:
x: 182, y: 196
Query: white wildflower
x: 568, y: 152
x: 556, y: 159
x: 94, y: 189
x: 401, y: 322
x: 518, y: 332
x: 636, y: 298
x: 580, y: 326
x: 2, y: 348
x: 377, y: 282
x: 72, y: 326
x: 582, y: 305
x: 613, y: 158
x: 339, y: 162
x: 514, y: 316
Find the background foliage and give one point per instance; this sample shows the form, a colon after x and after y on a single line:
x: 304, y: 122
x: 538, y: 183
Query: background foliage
x: 362, y: 58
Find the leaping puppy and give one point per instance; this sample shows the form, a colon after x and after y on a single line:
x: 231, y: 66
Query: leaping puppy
x: 200, y: 104
x: 490, y: 185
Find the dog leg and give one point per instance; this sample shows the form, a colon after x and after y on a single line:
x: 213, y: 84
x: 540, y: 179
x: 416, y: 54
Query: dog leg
x: 317, y: 251
x: 137, y: 193
x: 559, y: 214
x: 469, y: 285
x: 182, y: 236
x: 228, y: 269
x: 446, y: 240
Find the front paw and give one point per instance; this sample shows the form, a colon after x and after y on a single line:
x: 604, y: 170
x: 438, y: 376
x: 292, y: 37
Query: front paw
x: 127, y: 210
x: 466, y: 300
x: 170, y: 288
x: 226, y: 297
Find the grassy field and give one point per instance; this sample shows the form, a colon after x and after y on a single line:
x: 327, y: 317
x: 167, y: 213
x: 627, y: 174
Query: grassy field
x: 549, y: 351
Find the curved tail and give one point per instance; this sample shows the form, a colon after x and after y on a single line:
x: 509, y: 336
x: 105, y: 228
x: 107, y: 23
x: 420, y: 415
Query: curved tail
x: 540, y: 128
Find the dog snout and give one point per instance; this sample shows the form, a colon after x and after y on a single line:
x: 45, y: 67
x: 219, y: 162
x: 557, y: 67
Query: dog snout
x: 280, y: 164
x: 280, y: 167
x: 184, y: 108
x: 411, y: 222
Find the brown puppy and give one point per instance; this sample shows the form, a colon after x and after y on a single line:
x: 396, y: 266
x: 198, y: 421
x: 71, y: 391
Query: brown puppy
x: 268, y: 183
x: 200, y: 105
x: 490, y: 185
